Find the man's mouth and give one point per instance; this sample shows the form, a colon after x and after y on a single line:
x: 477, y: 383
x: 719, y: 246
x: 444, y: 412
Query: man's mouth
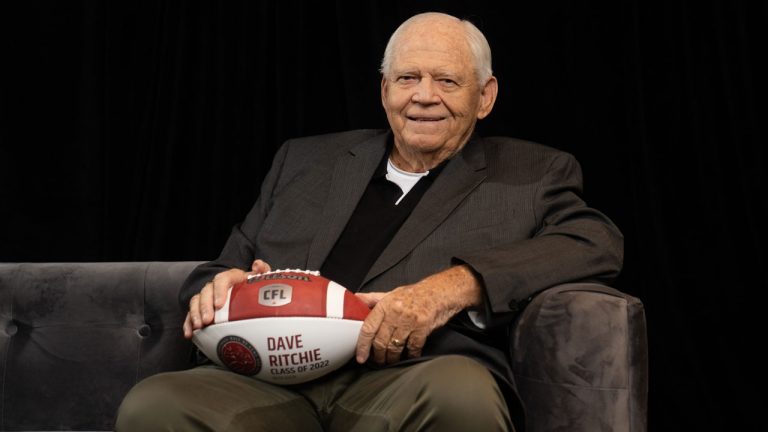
x: 424, y: 118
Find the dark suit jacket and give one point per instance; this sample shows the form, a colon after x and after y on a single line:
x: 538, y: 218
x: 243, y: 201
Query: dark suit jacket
x: 508, y: 208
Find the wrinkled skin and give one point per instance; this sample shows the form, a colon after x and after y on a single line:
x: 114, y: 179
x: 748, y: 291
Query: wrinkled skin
x: 411, y: 312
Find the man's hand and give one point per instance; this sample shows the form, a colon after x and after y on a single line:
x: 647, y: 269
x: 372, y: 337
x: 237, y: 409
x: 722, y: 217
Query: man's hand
x: 212, y: 297
x: 403, y: 318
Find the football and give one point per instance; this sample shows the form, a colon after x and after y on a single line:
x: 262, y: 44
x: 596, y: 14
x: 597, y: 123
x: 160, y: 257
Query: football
x: 284, y: 327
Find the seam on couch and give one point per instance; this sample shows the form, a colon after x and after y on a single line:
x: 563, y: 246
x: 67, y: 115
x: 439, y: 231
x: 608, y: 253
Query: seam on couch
x: 538, y: 380
x: 84, y: 324
x: 628, y: 359
x: 608, y: 292
x: 634, y: 410
x: 12, y: 289
x: 144, y: 319
x: 5, y: 374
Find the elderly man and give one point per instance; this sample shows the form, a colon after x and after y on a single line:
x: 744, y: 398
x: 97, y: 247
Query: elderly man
x: 444, y: 234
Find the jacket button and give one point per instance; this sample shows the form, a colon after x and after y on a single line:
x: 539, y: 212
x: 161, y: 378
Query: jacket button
x: 513, y: 306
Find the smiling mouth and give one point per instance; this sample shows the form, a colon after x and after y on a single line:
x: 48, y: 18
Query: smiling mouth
x: 424, y: 119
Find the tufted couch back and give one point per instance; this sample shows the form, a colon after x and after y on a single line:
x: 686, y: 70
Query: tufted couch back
x: 74, y: 338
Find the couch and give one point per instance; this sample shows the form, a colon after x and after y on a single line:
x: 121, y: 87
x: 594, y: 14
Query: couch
x: 75, y: 337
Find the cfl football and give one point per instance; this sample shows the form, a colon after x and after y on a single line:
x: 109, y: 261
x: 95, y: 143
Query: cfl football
x: 284, y: 327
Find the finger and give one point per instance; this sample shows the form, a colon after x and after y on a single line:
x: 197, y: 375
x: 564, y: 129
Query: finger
x: 219, y: 290
x: 187, y: 327
x: 416, y: 341
x: 222, y: 282
x: 371, y: 299
x: 381, y: 344
x: 394, y: 350
x: 260, y: 266
x: 367, y: 333
x: 194, y: 311
x: 205, y: 301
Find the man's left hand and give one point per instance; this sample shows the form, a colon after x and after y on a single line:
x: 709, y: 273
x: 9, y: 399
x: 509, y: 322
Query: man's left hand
x: 403, y: 318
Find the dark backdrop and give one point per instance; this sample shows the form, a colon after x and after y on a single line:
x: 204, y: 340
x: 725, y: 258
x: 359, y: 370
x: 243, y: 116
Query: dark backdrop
x: 141, y: 131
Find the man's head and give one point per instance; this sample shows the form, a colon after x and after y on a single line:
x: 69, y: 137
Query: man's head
x: 436, y: 83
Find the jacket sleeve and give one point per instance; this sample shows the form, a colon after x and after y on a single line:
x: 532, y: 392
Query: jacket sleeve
x: 573, y: 242
x: 239, y: 250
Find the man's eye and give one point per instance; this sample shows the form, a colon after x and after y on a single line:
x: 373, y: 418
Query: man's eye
x: 448, y: 82
x: 406, y: 79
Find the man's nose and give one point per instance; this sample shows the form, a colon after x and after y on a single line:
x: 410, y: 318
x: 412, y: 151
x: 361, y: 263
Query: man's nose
x: 424, y: 92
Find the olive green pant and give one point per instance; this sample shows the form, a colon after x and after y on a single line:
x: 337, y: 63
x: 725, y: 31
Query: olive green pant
x: 450, y: 393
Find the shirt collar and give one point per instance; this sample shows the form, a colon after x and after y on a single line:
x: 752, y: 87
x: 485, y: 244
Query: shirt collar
x: 381, y: 169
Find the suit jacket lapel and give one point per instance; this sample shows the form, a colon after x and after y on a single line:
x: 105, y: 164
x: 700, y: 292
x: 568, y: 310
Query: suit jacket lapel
x: 351, y: 176
x: 462, y: 174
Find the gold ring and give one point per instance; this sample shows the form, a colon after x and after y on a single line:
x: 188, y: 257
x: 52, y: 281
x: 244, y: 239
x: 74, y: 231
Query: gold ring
x: 397, y: 343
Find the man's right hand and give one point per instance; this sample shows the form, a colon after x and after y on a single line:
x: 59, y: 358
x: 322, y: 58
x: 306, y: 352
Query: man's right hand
x: 213, y: 296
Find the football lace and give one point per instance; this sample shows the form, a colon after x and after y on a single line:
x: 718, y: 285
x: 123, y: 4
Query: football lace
x: 309, y: 272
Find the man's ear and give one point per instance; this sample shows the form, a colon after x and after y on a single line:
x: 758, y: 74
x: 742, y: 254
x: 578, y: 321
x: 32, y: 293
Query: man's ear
x: 488, y: 97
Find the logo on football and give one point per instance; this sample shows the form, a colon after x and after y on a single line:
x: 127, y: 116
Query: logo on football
x: 275, y: 295
x: 284, y: 327
x: 238, y: 355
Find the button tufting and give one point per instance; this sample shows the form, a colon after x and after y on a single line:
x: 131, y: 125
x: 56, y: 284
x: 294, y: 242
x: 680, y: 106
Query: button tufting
x: 145, y: 330
x: 513, y: 306
x: 11, y: 329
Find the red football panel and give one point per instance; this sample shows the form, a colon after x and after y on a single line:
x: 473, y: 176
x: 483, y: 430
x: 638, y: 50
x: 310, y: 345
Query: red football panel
x: 354, y: 308
x: 307, y: 298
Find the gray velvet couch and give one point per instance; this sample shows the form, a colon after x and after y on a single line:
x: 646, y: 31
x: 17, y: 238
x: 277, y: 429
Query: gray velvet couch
x: 75, y: 337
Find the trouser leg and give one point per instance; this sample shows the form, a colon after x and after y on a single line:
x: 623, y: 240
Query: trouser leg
x: 211, y: 399
x: 450, y: 393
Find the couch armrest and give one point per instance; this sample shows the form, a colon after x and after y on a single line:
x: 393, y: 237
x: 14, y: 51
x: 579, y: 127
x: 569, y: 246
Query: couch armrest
x: 75, y: 337
x: 580, y: 359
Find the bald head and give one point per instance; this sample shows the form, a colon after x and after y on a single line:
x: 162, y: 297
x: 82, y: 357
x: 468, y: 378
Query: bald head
x: 463, y: 31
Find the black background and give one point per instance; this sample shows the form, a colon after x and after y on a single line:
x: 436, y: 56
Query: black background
x: 134, y: 131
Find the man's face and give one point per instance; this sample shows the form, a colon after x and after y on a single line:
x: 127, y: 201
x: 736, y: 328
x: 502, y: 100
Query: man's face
x: 431, y: 95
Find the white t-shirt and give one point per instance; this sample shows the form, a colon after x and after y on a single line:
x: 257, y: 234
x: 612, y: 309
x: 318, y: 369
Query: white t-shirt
x: 404, y: 179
